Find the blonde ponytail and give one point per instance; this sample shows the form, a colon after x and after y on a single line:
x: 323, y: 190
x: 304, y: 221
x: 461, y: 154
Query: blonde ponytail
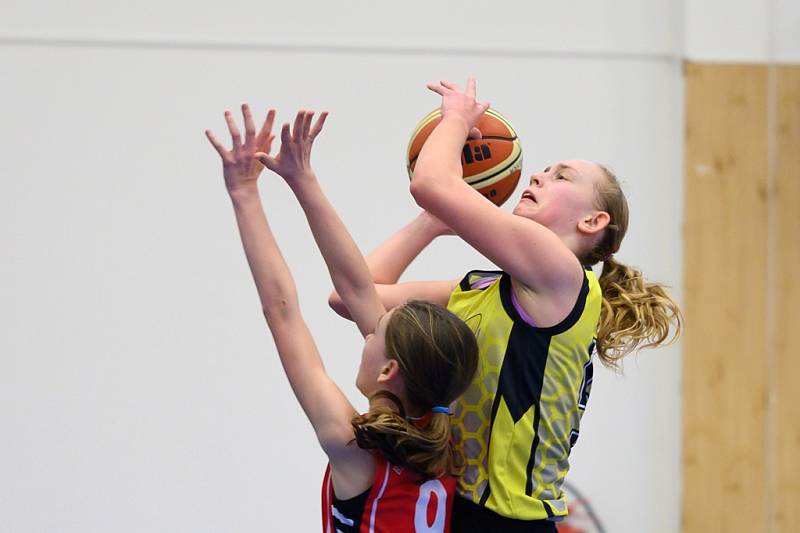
x: 634, y: 313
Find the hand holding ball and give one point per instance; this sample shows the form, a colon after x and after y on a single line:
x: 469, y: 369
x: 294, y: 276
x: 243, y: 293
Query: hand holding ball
x: 492, y: 165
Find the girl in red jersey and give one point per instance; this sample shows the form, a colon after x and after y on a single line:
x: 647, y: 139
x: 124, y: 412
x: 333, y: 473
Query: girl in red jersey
x: 392, y: 468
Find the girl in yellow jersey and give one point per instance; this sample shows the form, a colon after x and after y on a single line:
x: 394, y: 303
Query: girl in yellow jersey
x: 537, y: 321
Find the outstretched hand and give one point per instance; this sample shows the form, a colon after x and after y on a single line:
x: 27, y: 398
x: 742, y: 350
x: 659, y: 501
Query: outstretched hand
x: 293, y: 162
x: 461, y: 105
x: 239, y: 165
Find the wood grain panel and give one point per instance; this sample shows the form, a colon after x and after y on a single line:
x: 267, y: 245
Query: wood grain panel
x: 725, y: 269
x: 785, y: 490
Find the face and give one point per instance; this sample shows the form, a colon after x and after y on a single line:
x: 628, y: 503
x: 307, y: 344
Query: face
x: 561, y: 195
x: 373, y: 358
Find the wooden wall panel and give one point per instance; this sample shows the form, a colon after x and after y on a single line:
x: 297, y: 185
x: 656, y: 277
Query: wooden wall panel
x: 725, y: 269
x: 741, y: 369
x: 785, y: 491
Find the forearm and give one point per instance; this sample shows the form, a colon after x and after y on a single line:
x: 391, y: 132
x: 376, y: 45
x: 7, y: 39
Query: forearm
x: 324, y: 404
x: 391, y: 258
x: 439, y: 160
x: 276, y: 288
x: 346, y: 265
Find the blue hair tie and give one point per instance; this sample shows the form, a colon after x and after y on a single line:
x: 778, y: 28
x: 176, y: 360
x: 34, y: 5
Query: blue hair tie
x: 441, y: 409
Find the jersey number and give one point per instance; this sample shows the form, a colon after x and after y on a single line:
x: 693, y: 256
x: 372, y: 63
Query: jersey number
x: 433, y: 486
x: 583, y: 393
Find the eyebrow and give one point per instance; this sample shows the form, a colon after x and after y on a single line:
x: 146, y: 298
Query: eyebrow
x: 560, y: 166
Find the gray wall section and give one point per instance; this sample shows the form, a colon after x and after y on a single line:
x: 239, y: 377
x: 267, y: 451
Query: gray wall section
x: 603, y: 26
x: 139, y: 388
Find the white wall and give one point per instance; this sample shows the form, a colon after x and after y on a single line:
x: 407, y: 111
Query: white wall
x: 742, y: 31
x: 139, y: 389
x: 600, y: 27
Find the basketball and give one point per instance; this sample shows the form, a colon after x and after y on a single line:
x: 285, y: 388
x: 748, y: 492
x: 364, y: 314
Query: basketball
x: 491, y: 165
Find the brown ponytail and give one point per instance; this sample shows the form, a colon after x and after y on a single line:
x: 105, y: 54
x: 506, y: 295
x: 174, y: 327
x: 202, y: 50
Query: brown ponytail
x: 426, y: 449
x: 634, y: 313
x: 437, y: 355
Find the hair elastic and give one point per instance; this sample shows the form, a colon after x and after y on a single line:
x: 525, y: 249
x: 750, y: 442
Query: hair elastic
x: 440, y: 409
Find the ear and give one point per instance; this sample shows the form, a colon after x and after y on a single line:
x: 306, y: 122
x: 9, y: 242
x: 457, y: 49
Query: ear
x: 390, y: 372
x: 594, y: 223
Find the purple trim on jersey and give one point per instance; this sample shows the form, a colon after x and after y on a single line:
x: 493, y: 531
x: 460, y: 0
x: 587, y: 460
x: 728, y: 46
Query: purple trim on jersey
x: 482, y: 283
x: 525, y: 316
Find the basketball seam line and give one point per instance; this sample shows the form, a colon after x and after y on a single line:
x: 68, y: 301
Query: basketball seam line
x: 514, y: 162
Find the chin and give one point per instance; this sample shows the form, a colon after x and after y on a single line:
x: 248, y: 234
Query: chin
x: 521, y: 211
x: 360, y: 388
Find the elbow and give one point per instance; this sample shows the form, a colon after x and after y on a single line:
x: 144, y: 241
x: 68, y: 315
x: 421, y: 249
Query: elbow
x: 335, y: 302
x: 422, y: 190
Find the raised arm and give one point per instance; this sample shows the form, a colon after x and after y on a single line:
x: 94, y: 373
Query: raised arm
x: 346, y: 265
x: 528, y: 251
x: 390, y: 259
x: 326, y: 407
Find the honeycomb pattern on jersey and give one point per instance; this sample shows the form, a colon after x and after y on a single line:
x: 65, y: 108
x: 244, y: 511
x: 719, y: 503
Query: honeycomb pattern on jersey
x: 472, y: 420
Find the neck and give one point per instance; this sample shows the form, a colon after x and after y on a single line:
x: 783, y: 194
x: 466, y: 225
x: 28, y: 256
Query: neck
x: 395, y: 401
x: 387, y: 399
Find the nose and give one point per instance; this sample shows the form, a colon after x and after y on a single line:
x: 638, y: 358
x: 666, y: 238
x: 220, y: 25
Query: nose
x: 536, y: 180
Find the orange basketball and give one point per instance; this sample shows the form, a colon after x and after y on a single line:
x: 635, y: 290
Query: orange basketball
x: 491, y: 165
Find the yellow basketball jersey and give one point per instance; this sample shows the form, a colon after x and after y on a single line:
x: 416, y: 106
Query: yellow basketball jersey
x: 519, y: 418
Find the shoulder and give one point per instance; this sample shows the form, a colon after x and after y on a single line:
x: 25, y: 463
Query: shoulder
x: 550, y: 305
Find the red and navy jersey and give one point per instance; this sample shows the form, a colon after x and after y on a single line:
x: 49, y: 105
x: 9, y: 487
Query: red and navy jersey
x: 397, y: 502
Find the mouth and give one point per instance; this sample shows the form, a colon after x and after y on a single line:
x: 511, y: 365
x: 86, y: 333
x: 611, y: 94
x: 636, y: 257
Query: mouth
x: 527, y: 195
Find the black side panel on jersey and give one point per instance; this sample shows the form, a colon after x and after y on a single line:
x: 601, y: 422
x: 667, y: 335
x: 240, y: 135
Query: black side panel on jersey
x: 520, y: 380
x: 522, y: 373
x: 347, y: 513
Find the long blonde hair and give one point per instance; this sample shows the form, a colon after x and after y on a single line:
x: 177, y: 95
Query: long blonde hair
x: 438, y: 355
x: 634, y: 313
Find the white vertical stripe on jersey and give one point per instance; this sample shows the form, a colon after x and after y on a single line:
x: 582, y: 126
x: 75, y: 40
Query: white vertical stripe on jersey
x: 377, y: 498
